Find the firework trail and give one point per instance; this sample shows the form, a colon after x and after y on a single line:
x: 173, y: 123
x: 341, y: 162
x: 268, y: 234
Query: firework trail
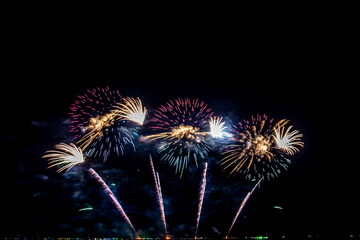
x: 95, y: 126
x: 242, y: 205
x: 112, y: 196
x: 64, y: 157
x: 178, y: 126
x: 159, y: 194
x: 201, y: 198
x: 161, y: 203
x: 256, y: 152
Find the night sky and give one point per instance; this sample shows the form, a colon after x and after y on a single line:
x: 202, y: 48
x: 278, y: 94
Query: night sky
x: 318, y: 193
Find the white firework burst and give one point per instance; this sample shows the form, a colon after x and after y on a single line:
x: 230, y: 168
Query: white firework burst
x: 131, y: 110
x: 217, y: 127
x: 287, y: 140
x: 64, y: 156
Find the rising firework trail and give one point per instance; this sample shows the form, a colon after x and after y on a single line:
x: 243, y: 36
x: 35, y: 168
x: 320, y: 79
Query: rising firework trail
x: 111, y: 196
x: 159, y: 194
x: 201, y: 198
x: 162, y: 210
x: 242, y: 206
x: 178, y: 127
x: 66, y: 156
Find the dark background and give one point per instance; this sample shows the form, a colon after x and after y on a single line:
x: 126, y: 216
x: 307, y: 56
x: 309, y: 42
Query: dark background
x: 299, y: 77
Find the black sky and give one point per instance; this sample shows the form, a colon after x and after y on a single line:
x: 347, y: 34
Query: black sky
x: 300, y: 80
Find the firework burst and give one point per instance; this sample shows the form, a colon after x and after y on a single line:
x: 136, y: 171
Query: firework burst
x: 255, y: 152
x: 131, y: 110
x: 217, y: 128
x: 286, y: 140
x: 64, y: 157
x: 96, y: 127
x: 179, y: 126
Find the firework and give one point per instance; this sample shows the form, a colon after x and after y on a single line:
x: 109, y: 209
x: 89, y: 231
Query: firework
x: 178, y: 126
x: 255, y: 152
x: 159, y: 194
x: 131, y: 109
x: 217, y: 128
x: 242, y: 206
x: 201, y: 198
x: 111, y: 196
x: 286, y: 140
x: 64, y: 157
x: 95, y: 126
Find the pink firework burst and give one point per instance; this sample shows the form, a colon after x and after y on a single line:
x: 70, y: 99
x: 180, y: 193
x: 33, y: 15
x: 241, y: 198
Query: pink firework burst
x: 93, y: 111
x: 180, y: 126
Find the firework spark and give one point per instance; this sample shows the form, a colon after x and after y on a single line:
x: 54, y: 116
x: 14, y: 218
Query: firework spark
x: 242, y: 206
x: 95, y: 127
x: 159, y: 194
x: 286, y: 140
x: 201, y: 198
x: 111, y: 196
x: 255, y: 154
x: 178, y: 126
x: 64, y: 157
x: 131, y: 109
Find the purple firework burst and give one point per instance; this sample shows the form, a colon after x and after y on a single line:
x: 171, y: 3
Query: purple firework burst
x: 95, y: 107
x: 179, y: 125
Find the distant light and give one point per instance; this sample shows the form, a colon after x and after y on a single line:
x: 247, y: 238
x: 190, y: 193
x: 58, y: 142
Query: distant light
x: 85, y: 209
x: 259, y: 237
x: 277, y: 207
